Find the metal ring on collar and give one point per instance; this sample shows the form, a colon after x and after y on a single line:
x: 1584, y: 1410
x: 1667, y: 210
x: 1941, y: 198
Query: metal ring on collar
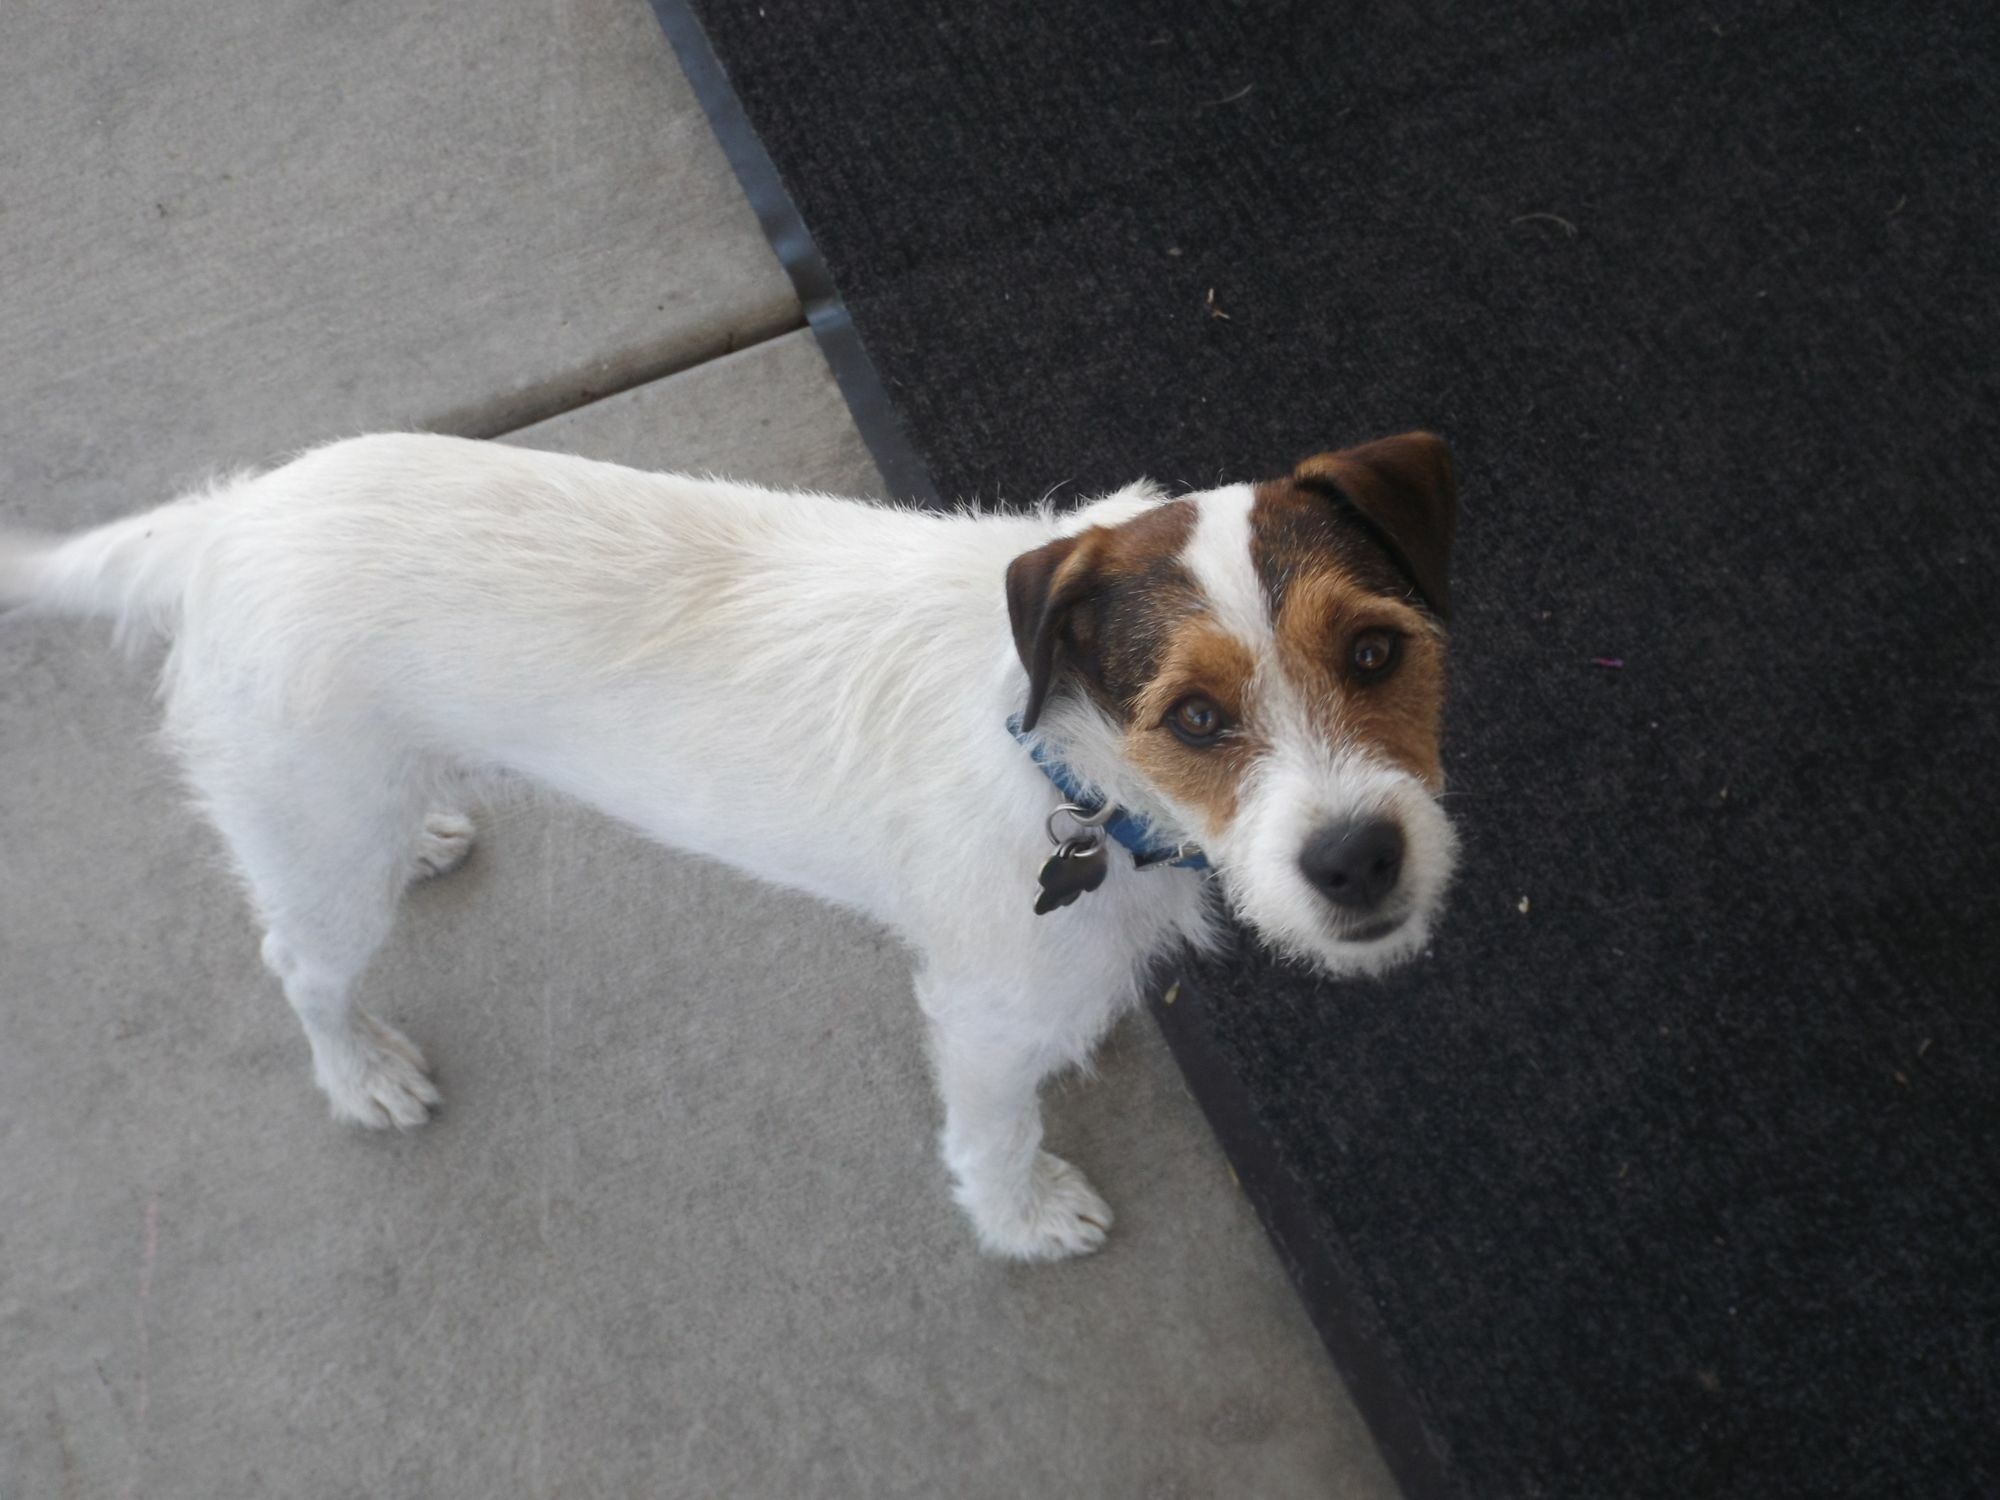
x: 1084, y: 818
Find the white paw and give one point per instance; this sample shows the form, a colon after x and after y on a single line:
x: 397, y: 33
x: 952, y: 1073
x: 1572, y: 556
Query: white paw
x: 443, y: 844
x: 375, y: 1076
x: 1057, y: 1216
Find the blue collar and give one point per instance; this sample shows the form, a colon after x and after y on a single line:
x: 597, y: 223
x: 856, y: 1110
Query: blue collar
x: 1135, y: 834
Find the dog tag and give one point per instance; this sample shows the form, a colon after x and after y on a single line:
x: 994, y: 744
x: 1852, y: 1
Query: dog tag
x: 1071, y: 871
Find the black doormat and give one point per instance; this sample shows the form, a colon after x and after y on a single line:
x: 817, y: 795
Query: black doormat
x: 1675, y: 1170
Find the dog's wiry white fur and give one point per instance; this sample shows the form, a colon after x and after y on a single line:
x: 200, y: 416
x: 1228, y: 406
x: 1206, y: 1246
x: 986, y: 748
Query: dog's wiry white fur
x: 813, y: 690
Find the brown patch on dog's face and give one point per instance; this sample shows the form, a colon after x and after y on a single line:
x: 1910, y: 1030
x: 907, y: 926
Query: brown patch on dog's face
x: 1203, y: 662
x: 1333, y: 591
x: 1118, y: 635
x: 1326, y: 620
x: 1102, y: 604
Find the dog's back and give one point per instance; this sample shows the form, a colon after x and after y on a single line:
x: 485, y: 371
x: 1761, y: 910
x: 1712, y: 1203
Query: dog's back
x: 692, y: 655
x: 382, y: 561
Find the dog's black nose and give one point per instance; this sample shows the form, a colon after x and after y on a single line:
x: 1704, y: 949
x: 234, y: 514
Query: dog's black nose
x: 1355, y: 864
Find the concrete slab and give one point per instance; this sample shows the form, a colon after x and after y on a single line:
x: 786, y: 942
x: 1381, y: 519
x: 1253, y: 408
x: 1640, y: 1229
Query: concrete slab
x: 231, y: 230
x: 680, y: 1229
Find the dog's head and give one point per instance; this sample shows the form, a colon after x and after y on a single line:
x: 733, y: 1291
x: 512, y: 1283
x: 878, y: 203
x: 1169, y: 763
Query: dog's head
x: 1268, y: 662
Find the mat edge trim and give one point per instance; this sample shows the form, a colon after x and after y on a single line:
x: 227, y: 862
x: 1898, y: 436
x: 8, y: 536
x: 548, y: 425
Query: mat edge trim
x: 905, y: 473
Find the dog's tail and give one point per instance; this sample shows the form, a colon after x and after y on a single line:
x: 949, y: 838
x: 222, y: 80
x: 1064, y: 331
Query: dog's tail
x: 134, y: 572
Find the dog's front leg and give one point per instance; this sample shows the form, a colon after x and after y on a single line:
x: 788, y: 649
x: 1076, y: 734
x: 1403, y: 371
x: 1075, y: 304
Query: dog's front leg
x: 1024, y: 1202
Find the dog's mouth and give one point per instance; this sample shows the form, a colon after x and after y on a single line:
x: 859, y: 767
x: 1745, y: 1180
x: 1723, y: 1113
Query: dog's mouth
x: 1372, y: 930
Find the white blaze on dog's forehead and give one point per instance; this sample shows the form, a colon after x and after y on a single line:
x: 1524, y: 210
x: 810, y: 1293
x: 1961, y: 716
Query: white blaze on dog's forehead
x: 1219, y: 560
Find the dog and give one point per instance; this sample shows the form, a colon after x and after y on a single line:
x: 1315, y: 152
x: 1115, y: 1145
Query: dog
x: 1045, y: 749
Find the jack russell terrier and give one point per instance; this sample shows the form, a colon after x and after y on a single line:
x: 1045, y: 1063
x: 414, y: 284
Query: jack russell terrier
x: 1044, y: 749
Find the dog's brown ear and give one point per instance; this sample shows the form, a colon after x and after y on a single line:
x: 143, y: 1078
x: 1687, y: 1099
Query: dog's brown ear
x: 1403, y: 490
x: 1043, y: 587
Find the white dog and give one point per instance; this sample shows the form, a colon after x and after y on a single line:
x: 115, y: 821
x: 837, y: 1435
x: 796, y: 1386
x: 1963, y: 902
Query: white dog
x: 882, y: 706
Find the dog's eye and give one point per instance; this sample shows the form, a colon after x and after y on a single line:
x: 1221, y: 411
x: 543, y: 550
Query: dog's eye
x: 1197, y: 720
x: 1374, y: 654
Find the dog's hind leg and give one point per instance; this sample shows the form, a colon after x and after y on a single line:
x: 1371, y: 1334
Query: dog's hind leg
x: 1024, y: 1202
x: 320, y: 828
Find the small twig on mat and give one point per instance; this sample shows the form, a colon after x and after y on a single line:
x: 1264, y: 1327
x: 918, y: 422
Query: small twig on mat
x: 1226, y: 98
x: 1551, y: 218
x: 1213, y: 310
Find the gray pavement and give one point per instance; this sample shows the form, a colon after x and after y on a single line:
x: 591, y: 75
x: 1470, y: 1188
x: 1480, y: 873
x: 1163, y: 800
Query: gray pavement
x: 680, y: 1229
x: 228, y: 230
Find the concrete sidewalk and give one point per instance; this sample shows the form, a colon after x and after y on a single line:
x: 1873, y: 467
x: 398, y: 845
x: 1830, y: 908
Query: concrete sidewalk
x: 680, y: 1230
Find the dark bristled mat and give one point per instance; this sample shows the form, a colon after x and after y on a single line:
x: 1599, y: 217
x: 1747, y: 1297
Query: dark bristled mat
x: 1675, y: 1169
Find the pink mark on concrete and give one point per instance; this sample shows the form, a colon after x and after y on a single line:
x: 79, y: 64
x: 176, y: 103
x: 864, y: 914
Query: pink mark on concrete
x: 143, y: 1400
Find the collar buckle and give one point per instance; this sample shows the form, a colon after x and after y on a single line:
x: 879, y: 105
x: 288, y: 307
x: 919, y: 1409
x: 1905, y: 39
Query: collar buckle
x: 1182, y: 856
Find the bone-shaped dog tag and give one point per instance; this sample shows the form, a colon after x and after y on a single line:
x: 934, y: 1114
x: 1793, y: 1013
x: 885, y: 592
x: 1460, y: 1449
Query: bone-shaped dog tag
x: 1071, y: 871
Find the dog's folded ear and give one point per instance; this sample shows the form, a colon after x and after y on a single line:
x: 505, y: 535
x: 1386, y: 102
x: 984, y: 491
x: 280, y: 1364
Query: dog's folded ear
x: 1403, y: 491
x: 1043, y: 588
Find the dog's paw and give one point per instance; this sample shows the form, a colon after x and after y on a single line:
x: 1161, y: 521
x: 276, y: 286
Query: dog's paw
x: 443, y: 844
x: 376, y: 1077
x: 1059, y: 1215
